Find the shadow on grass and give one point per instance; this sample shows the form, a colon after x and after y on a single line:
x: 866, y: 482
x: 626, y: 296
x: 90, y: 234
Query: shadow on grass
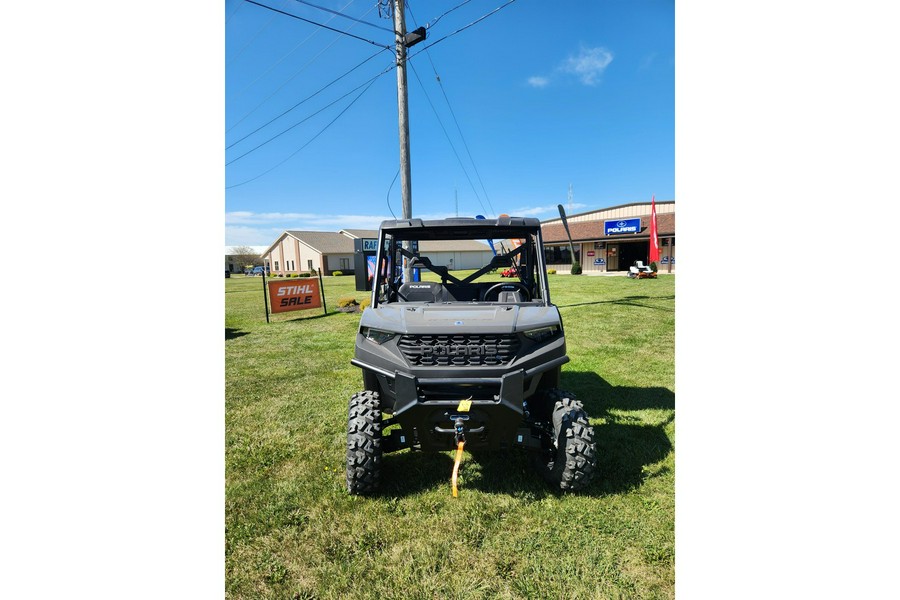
x: 625, y: 444
x: 406, y: 472
x: 626, y: 301
x: 230, y: 334
x: 308, y: 317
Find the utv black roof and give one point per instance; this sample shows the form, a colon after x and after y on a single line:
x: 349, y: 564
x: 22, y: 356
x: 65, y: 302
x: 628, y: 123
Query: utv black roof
x: 461, y: 228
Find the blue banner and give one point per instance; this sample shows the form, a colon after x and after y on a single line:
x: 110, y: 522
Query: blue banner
x: 621, y: 226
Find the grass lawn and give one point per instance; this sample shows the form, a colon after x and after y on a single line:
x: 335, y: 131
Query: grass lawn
x: 292, y: 530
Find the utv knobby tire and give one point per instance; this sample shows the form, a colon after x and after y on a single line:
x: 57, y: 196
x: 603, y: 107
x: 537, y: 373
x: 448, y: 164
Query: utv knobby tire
x: 364, y: 452
x: 570, y: 461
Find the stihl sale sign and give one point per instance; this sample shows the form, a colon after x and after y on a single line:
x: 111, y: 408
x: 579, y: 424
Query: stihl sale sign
x: 294, y: 295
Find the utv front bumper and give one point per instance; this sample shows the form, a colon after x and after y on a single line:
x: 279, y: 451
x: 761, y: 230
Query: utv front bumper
x: 493, y: 407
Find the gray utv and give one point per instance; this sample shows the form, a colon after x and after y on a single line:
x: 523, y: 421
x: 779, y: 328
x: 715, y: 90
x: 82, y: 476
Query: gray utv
x: 473, y: 360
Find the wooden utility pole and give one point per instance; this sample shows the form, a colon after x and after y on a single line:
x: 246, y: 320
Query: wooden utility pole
x: 403, y: 114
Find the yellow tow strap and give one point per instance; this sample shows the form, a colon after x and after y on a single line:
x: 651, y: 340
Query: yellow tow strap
x: 459, y: 451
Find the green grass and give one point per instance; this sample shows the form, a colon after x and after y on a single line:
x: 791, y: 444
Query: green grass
x: 292, y: 531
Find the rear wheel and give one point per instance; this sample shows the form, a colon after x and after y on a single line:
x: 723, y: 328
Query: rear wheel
x: 364, y: 453
x: 568, y: 460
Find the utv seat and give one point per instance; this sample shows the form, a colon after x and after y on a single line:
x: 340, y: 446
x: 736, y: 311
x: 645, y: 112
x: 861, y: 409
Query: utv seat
x: 422, y: 291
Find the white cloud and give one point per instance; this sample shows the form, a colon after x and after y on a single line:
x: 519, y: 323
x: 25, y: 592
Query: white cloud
x: 588, y: 64
x: 538, y: 81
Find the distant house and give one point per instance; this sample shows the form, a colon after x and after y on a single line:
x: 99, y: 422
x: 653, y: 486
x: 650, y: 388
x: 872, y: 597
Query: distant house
x: 302, y: 251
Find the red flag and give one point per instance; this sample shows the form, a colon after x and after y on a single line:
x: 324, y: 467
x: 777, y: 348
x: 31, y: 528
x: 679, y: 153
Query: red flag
x: 654, y: 238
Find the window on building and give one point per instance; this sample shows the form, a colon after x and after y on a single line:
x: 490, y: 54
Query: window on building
x: 560, y: 255
x: 345, y: 264
x: 309, y: 264
x: 276, y: 265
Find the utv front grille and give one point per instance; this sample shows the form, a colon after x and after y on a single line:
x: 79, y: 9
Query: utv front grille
x: 459, y: 350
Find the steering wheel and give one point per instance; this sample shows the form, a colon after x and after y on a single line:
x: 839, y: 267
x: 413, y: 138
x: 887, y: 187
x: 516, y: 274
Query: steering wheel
x: 503, y: 284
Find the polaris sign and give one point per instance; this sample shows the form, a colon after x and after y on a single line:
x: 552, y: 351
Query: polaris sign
x: 621, y: 226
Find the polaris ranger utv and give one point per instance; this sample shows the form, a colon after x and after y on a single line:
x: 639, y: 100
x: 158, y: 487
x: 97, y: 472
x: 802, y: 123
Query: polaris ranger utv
x: 473, y: 360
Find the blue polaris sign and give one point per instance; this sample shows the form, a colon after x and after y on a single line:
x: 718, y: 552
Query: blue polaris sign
x: 621, y: 226
x: 370, y: 245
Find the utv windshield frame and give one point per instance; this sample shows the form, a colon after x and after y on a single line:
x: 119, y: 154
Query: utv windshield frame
x: 400, y: 239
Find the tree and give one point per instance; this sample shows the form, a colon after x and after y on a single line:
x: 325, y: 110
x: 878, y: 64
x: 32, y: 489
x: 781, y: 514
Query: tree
x: 244, y: 256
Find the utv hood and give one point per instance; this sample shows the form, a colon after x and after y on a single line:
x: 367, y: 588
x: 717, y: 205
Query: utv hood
x: 444, y: 319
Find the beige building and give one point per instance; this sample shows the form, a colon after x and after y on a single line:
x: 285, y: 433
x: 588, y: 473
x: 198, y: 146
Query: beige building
x: 611, y: 239
x: 303, y: 251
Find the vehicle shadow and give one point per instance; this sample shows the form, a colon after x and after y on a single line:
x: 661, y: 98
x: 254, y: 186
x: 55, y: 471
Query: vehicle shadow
x: 407, y: 472
x: 625, y: 443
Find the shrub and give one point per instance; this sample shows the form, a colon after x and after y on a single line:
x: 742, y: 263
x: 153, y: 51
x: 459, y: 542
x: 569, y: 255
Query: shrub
x: 576, y: 268
x: 365, y: 303
x: 346, y: 301
x: 654, y: 267
x: 551, y: 271
x: 337, y: 273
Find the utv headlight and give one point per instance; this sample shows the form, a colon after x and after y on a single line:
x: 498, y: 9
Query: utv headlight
x: 376, y: 335
x: 542, y: 334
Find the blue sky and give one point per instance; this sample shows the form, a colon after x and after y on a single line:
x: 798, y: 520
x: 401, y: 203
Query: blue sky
x: 532, y: 100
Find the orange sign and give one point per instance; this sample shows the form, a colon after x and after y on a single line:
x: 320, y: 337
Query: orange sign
x: 295, y: 294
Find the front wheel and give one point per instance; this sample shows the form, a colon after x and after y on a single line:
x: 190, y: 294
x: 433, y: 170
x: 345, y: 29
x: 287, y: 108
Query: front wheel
x: 364, y: 453
x: 569, y: 459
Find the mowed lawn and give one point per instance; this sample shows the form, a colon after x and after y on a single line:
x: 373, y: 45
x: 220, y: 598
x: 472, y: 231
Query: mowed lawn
x: 292, y: 531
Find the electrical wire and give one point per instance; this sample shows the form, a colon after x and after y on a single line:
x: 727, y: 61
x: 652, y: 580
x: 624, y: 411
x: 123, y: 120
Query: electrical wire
x: 340, y: 14
x: 255, y: 35
x: 452, y: 147
x: 461, y: 29
x: 433, y: 22
x: 278, y: 135
x: 239, y: 5
x: 388, y: 199
x: 455, y: 120
x: 282, y: 59
x: 319, y: 24
x: 371, y: 82
x: 310, y: 97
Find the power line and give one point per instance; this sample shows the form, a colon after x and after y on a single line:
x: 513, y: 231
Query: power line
x: 311, y: 96
x: 255, y: 35
x: 452, y: 147
x: 280, y: 60
x: 371, y: 82
x: 319, y: 24
x: 434, y: 21
x: 453, y: 114
x: 388, y: 199
x: 239, y: 5
x: 340, y: 14
x: 478, y: 20
x: 276, y: 136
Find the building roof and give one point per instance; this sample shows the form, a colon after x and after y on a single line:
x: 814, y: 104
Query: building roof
x: 360, y: 233
x: 325, y: 242
x: 593, y: 230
